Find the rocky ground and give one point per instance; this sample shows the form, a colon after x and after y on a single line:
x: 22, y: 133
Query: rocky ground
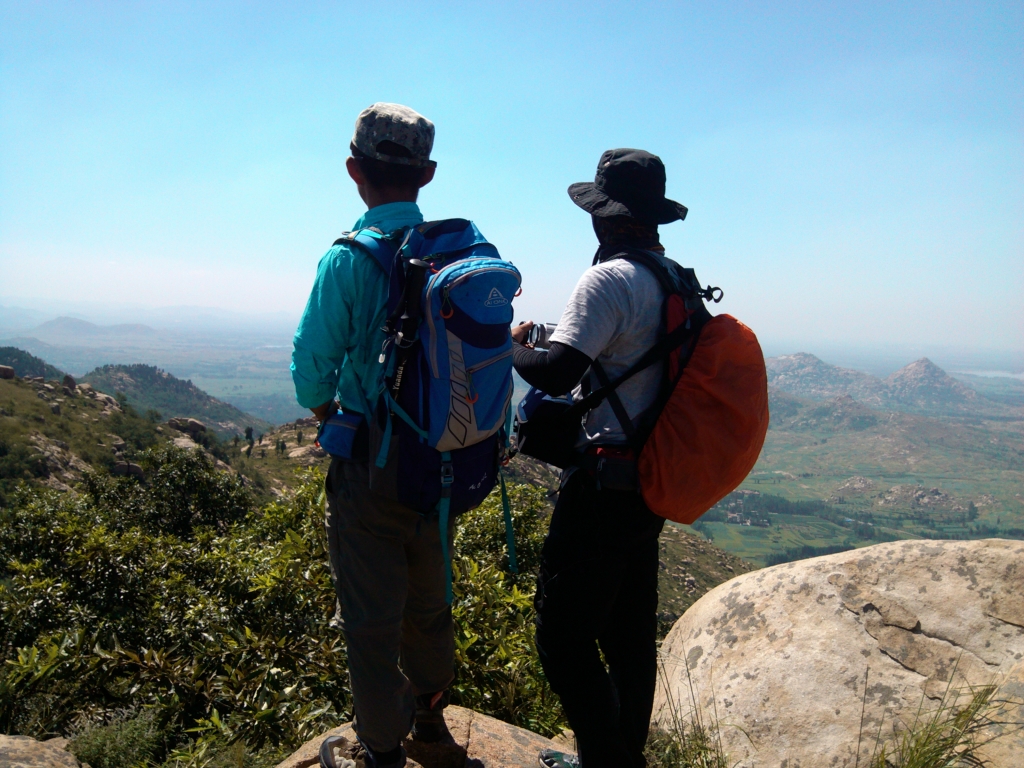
x: 483, y: 742
x: 689, y: 567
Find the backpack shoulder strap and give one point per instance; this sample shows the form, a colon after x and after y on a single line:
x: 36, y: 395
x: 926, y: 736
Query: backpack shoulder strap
x: 648, y: 260
x: 375, y: 243
x: 673, y: 279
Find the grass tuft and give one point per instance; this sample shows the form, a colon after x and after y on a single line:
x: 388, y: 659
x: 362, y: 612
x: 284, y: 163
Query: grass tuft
x: 952, y: 735
x: 685, y: 738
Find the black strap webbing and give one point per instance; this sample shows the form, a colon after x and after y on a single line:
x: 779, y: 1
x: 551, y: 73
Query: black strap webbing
x: 615, y: 401
x: 649, y: 358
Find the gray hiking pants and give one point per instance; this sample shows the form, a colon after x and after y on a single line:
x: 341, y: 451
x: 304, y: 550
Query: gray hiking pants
x: 389, y: 576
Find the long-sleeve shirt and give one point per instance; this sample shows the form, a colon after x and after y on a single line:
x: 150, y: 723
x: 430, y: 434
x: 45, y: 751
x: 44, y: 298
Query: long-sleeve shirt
x: 339, y: 338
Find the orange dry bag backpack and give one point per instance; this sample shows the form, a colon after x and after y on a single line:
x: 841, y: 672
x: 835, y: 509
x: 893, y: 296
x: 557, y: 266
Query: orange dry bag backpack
x: 704, y: 432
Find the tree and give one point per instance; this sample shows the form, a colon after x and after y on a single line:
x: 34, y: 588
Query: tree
x: 248, y: 434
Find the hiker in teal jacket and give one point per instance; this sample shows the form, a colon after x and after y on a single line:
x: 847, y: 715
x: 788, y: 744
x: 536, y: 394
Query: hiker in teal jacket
x: 387, y: 569
x: 339, y: 336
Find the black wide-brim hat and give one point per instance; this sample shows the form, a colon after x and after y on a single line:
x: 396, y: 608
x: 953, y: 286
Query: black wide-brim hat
x: 629, y: 182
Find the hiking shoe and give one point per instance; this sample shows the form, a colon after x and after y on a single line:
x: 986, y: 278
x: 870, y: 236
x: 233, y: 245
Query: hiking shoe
x: 339, y: 752
x: 336, y: 752
x: 429, y: 726
x: 552, y: 758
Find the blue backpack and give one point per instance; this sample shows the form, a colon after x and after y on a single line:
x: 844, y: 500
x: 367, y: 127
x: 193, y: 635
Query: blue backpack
x: 439, y: 430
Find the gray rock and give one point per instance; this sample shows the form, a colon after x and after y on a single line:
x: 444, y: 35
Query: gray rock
x: 781, y: 654
x: 1007, y: 746
x: 26, y: 752
x: 127, y: 469
x: 6, y: 372
x: 69, y: 381
x: 55, y: 409
x: 191, y: 426
x: 488, y: 743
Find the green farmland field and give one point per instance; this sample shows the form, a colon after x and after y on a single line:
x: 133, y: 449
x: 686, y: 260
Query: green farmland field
x: 755, y: 543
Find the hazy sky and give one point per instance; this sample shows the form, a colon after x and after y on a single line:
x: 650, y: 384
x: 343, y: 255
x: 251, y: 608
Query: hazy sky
x: 854, y: 172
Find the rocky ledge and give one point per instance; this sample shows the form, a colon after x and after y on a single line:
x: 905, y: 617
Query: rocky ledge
x: 485, y: 742
x: 26, y: 752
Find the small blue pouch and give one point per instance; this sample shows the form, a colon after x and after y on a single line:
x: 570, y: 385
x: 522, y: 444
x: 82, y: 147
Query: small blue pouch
x: 337, y: 435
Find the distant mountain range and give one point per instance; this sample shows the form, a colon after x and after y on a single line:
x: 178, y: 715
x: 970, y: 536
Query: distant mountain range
x: 149, y: 388
x: 921, y: 387
x: 63, y: 329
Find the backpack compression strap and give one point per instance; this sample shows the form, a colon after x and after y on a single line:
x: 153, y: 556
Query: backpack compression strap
x: 374, y: 242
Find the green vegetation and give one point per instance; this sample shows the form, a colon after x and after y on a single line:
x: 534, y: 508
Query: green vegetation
x: 41, y: 445
x: 148, y: 388
x: 176, y: 618
x: 25, y: 364
x: 769, y: 529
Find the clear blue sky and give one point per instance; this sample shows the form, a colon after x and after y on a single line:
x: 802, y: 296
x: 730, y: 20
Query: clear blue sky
x: 854, y: 171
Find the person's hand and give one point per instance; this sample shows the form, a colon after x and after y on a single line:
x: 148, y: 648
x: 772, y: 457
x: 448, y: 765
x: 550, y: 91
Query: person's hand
x: 522, y: 332
x: 325, y: 411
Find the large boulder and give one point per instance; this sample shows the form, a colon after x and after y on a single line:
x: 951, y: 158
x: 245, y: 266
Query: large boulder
x: 26, y: 752
x: 6, y: 372
x: 788, y: 658
x: 184, y: 424
x: 488, y: 743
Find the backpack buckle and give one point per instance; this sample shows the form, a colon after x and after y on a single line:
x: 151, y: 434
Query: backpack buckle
x: 447, y: 475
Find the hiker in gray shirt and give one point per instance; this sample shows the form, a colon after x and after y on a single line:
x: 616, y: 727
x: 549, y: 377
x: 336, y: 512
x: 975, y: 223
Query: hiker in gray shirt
x: 597, y: 592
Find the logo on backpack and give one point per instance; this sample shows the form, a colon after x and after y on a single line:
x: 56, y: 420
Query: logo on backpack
x: 495, y: 299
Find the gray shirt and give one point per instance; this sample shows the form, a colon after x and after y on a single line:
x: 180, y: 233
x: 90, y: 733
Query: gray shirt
x: 613, y: 316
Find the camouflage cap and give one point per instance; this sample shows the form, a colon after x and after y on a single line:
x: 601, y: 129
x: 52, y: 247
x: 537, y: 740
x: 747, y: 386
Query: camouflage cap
x: 398, y: 124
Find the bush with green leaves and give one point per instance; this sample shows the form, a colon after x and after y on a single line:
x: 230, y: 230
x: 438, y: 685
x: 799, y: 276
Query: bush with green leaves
x: 173, y: 618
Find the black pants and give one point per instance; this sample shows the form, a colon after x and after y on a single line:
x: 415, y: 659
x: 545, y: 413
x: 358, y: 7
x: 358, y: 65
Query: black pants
x: 597, y: 593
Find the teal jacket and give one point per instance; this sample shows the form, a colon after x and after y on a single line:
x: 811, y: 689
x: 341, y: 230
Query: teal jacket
x: 335, y: 349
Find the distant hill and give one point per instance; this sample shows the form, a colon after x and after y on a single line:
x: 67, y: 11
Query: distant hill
x: 149, y: 388
x: 807, y: 376
x: 25, y: 364
x: 1001, y: 389
x: 921, y: 387
x: 64, y: 327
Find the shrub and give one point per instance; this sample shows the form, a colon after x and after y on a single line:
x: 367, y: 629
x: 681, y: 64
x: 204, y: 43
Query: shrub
x: 207, y: 620
x: 127, y: 742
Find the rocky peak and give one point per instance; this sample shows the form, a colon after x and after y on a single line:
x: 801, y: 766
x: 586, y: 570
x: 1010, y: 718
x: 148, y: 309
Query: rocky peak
x: 924, y: 384
x: 808, y: 376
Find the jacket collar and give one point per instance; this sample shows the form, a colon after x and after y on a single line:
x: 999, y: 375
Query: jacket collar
x: 395, y: 214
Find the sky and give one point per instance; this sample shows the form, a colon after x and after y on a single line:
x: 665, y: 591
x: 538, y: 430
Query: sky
x: 854, y: 171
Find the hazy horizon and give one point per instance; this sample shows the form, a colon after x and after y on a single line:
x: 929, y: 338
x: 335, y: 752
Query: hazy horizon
x: 854, y: 173
x: 198, y: 326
